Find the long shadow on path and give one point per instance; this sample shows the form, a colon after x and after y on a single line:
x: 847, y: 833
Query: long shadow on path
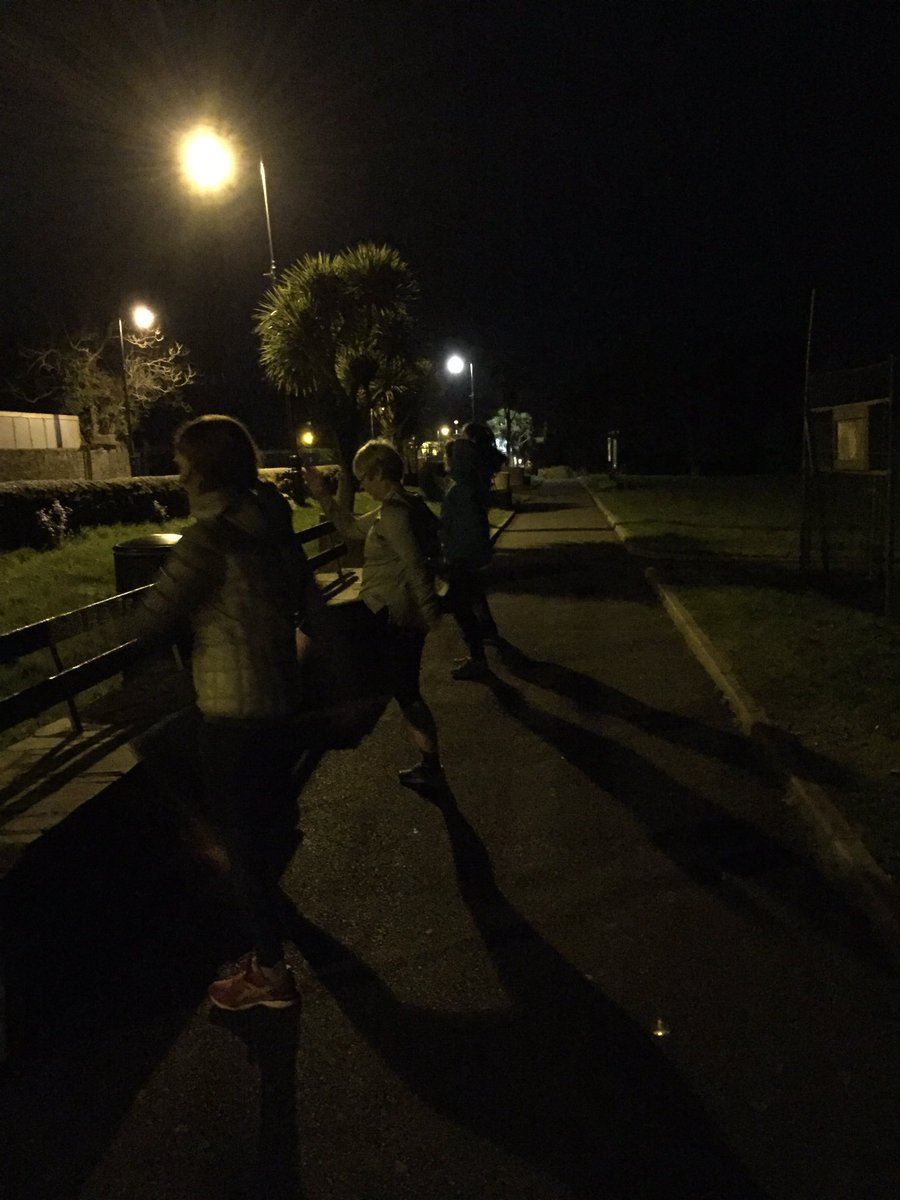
x: 561, y: 1078
x: 587, y: 692
x: 718, y: 850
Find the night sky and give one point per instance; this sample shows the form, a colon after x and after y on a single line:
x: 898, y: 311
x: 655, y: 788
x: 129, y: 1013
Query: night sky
x: 617, y: 209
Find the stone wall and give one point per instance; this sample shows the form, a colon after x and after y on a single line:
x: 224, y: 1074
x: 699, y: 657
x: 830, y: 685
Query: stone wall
x: 98, y: 462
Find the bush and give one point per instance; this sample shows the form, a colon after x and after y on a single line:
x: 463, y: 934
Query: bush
x: 54, y: 524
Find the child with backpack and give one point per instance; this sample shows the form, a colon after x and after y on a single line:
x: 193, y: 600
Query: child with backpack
x: 397, y: 591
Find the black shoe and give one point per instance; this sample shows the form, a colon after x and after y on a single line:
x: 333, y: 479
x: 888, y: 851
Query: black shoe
x: 422, y: 776
x: 472, y: 668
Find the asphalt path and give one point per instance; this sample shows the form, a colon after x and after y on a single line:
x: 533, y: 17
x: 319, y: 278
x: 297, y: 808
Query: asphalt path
x: 603, y: 964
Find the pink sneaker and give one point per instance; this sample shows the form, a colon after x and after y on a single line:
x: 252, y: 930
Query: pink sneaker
x: 253, y: 985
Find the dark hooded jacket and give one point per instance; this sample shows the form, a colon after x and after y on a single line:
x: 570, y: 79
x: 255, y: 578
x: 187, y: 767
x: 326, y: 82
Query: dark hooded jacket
x: 238, y: 577
x: 465, y: 534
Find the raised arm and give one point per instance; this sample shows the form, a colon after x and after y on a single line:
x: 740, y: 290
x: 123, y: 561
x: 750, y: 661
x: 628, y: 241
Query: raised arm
x: 350, y: 527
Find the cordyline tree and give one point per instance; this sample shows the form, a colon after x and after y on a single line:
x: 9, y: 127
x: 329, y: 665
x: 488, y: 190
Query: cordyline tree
x: 515, y: 429
x: 83, y: 375
x: 337, y: 332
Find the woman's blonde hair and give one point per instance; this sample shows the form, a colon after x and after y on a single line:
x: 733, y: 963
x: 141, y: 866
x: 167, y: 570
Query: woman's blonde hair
x: 220, y: 451
x: 378, y: 455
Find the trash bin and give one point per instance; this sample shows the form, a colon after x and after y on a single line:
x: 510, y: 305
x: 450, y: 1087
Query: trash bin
x: 138, y: 560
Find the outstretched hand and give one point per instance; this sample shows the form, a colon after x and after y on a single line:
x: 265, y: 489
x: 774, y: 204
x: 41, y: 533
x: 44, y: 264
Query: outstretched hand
x: 315, y: 482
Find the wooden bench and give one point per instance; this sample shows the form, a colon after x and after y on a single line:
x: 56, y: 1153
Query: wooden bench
x: 62, y: 765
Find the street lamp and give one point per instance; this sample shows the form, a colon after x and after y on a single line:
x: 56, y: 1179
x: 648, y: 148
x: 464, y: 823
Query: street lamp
x: 208, y: 162
x: 456, y: 365
x: 143, y: 319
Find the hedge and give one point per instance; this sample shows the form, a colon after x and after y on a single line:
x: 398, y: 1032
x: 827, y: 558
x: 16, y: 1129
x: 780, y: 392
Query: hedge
x: 91, y: 502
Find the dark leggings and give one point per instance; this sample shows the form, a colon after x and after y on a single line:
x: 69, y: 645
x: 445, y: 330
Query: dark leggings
x: 467, y: 601
x: 249, y: 799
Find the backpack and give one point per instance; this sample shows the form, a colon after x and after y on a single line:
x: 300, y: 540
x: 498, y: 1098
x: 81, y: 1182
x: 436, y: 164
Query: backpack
x: 426, y: 529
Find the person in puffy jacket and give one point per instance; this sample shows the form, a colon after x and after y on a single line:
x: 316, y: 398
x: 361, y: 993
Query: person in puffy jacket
x: 399, y: 602
x: 238, y: 578
x: 466, y: 541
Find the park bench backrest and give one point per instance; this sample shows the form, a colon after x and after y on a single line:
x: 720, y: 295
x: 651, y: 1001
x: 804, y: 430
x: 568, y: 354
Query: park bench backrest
x: 68, y: 682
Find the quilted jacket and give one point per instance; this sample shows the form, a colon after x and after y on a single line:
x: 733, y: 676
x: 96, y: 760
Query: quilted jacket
x: 237, y: 577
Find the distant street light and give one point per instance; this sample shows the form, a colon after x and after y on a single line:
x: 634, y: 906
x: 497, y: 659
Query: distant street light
x: 444, y: 431
x: 143, y: 319
x: 456, y: 365
x: 307, y: 438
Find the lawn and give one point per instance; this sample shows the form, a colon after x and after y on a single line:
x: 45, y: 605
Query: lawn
x: 753, y: 518
x: 824, y: 666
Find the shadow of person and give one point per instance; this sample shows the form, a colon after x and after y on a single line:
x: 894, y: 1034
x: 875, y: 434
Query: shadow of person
x: 272, y: 1040
x: 561, y: 1077
x: 587, y: 692
x: 721, y: 852
x: 731, y: 747
x: 585, y: 568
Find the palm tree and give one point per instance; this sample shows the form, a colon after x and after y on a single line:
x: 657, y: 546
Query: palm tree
x: 336, y: 330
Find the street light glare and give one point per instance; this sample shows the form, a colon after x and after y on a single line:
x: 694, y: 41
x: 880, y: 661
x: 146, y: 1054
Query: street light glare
x: 208, y: 160
x: 455, y: 364
x: 143, y: 317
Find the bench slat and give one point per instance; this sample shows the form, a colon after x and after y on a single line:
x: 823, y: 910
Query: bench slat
x: 323, y: 529
x: 34, y: 700
x: 51, y: 630
x: 326, y: 556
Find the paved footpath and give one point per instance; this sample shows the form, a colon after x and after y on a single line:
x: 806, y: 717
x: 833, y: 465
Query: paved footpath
x: 603, y: 966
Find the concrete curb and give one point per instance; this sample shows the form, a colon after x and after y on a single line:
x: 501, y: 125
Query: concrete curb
x: 843, y: 850
x: 495, y: 533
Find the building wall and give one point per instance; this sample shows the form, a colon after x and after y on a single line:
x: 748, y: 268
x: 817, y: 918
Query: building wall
x: 39, y: 431
x: 99, y: 462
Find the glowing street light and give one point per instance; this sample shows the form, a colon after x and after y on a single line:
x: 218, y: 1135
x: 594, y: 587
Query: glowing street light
x: 209, y: 164
x: 143, y: 319
x: 444, y: 431
x: 456, y: 365
x: 207, y: 160
x: 307, y: 438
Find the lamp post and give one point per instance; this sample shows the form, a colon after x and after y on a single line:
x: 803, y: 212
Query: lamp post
x: 265, y: 192
x: 456, y: 365
x: 208, y: 162
x: 143, y: 319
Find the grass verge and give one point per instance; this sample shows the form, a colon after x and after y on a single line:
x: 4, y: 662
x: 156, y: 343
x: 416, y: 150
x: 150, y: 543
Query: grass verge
x: 825, y: 667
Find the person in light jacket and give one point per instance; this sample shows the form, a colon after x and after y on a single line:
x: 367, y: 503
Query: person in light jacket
x: 239, y: 580
x: 397, y: 593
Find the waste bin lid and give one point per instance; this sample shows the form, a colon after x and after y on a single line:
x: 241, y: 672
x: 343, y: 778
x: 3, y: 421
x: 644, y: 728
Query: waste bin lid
x: 151, y: 545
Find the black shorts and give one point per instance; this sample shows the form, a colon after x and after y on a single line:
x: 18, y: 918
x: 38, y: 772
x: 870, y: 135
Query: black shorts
x: 397, y: 651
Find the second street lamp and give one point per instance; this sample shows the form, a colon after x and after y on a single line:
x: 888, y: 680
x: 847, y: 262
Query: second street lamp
x: 144, y: 320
